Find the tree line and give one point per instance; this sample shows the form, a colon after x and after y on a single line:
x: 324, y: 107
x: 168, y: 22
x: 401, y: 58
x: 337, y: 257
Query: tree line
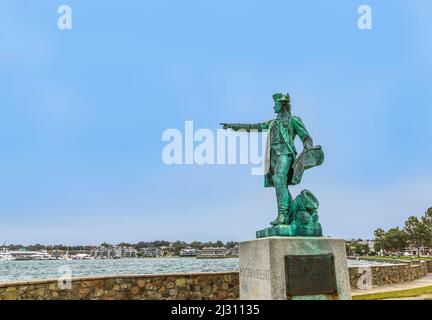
x: 417, y: 232
x: 176, y: 245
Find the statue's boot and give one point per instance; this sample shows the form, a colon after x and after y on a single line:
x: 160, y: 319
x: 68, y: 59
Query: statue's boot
x: 283, y: 200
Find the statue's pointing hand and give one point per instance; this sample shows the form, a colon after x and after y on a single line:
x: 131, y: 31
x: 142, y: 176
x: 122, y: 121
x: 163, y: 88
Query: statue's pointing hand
x: 226, y: 126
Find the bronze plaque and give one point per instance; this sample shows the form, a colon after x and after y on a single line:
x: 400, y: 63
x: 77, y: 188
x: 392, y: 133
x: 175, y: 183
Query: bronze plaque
x: 310, y: 275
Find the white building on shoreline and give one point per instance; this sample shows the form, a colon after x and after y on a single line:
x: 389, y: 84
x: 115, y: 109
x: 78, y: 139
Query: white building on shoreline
x: 152, y: 252
x: 113, y: 252
x: 189, y: 252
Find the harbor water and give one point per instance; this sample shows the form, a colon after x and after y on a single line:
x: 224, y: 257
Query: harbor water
x: 52, y: 269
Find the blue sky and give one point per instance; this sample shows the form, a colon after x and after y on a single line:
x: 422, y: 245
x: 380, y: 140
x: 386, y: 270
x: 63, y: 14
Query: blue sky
x: 82, y: 114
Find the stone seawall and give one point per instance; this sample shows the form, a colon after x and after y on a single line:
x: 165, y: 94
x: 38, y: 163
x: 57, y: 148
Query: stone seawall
x: 388, y: 274
x: 189, y: 286
x: 429, y: 265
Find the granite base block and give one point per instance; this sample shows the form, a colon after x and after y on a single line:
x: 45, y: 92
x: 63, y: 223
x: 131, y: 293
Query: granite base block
x: 263, y: 269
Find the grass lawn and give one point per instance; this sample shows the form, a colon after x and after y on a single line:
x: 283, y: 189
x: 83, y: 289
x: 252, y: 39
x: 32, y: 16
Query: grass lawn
x: 396, y: 294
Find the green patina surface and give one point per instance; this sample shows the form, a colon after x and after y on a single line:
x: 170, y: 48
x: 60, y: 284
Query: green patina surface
x: 299, y: 216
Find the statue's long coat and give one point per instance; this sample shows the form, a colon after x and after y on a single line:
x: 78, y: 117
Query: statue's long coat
x: 291, y: 128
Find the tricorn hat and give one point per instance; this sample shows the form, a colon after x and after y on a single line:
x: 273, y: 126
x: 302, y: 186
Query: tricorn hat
x: 279, y: 97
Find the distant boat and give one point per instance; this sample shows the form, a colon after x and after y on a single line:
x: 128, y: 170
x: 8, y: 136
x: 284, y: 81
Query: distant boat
x: 31, y: 255
x: 6, y: 255
x: 66, y: 256
x: 82, y: 256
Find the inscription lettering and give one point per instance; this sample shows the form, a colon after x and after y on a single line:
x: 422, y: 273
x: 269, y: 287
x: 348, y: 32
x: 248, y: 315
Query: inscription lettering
x: 255, y: 273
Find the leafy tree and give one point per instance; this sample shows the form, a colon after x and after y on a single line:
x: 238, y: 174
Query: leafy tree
x: 178, y: 245
x: 396, y: 240
x: 379, y: 239
x: 209, y: 244
x: 60, y: 247
x: 219, y: 244
x: 417, y: 233
x: 196, y: 245
x: 141, y: 245
x: 36, y: 247
x: 104, y: 244
x: 361, y: 249
x: 348, y: 248
x: 231, y: 244
x: 125, y: 244
x: 427, y: 221
x: 161, y: 243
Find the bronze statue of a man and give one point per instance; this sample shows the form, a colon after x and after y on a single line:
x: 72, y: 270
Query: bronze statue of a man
x: 283, y: 168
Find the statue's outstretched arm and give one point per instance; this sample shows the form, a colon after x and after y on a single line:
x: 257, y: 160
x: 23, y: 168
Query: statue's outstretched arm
x: 245, y: 126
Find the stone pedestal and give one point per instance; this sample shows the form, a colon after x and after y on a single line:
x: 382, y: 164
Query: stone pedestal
x: 269, y: 268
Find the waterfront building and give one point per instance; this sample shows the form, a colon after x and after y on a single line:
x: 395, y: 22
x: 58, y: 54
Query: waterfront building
x: 152, y: 252
x: 167, y: 250
x: 103, y: 252
x: 352, y: 247
x: 125, y: 252
x: 414, y: 251
x: 189, y: 252
x: 213, y: 253
x: 369, y: 243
